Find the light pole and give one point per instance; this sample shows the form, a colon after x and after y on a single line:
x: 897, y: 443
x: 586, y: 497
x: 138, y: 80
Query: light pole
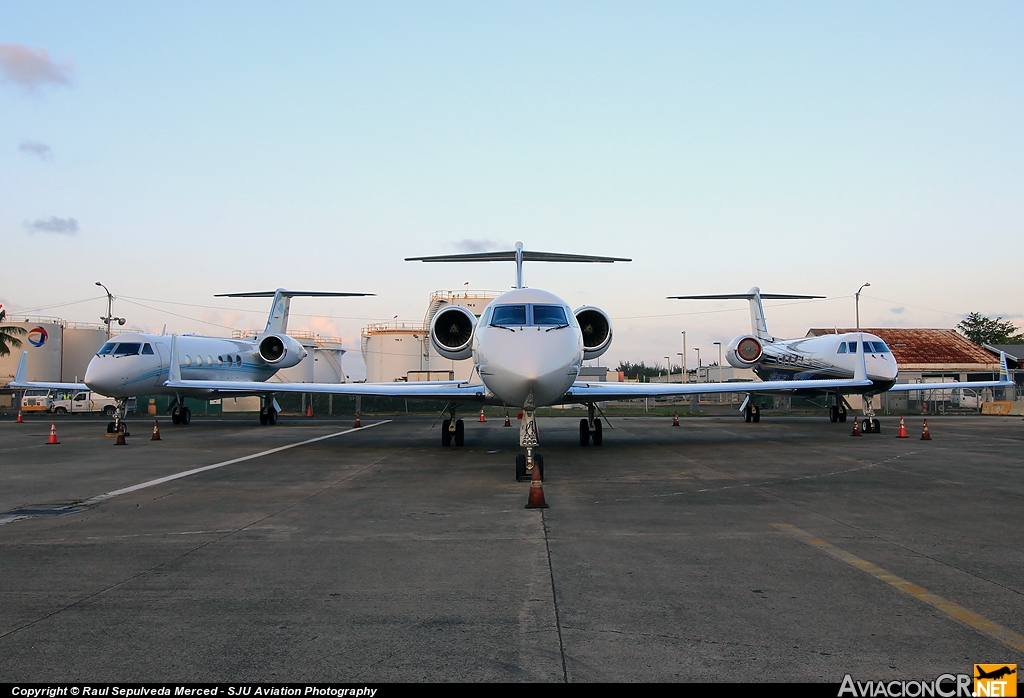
x: 686, y: 376
x: 719, y: 360
x: 109, y: 317
x: 682, y: 362
x: 697, y: 349
x: 856, y: 298
x: 668, y: 370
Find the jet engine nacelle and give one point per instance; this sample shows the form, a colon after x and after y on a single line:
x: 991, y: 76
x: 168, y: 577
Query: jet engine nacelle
x: 744, y: 351
x: 451, y: 332
x: 596, y: 327
x: 280, y: 351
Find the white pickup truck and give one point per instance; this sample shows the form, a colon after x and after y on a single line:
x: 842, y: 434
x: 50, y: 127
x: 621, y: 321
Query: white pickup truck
x: 82, y: 401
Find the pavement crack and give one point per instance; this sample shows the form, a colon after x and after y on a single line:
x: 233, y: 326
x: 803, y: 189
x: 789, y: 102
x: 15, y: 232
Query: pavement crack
x: 554, y: 596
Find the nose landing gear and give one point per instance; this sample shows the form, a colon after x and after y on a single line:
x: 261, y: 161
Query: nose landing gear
x: 590, y: 428
x: 528, y: 440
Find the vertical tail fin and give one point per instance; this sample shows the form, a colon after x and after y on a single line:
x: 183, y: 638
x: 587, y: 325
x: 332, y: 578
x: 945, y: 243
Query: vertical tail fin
x: 277, y: 321
x: 758, y: 327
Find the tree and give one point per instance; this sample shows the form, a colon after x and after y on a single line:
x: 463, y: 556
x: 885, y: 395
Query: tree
x: 9, y: 335
x: 983, y: 330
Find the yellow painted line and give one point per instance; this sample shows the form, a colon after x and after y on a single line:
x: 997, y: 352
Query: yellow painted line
x: 953, y: 610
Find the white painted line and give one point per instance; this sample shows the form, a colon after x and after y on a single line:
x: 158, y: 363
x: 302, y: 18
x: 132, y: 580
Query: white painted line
x: 159, y: 481
x: 186, y: 473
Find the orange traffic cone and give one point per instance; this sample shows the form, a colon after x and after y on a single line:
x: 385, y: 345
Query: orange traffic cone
x: 675, y: 419
x: 536, y: 500
x: 508, y: 423
x: 309, y: 410
x: 903, y: 430
x: 357, y: 425
x: 120, y: 437
x: 156, y: 431
x: 926, y: 435
x: 482, y: 418
x: 856, y: 427
x: 19, y: 420
x: 53, y: 434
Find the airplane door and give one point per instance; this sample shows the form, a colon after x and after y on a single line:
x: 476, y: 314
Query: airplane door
x: 163, y: 356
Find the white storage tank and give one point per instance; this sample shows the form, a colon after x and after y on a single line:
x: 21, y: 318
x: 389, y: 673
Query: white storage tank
x: 81, y: 342
x: 43, y: 343
x: 391, y: 350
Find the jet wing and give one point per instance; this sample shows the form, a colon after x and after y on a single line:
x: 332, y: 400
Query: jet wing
x: 583, y: 391
x: 453, y: 391
x: 21, y: 379
x: 1005, y: 380
x: 593, y: 392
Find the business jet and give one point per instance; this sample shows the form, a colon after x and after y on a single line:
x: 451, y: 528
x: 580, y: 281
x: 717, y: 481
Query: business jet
x: 139, y: 364
x: 826, y: 356
x: 527, y: 349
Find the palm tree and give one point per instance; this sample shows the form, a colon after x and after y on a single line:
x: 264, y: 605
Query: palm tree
x: 8, y: 336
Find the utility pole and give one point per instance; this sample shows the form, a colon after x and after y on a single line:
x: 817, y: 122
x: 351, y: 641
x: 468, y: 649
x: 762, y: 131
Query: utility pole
x: 686, y: 376
x: 109, y: 317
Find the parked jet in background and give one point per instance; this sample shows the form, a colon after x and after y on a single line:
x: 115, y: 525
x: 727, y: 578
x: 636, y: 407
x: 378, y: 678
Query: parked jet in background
x: 139, y: 364
x: 527, y: 349
x: 824, y: 356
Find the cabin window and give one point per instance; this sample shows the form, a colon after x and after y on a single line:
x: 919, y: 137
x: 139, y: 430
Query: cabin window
x: 549, y: 315
x: 220, y: 360
x: 106, y: 348
x: 127, y: 349
x: 188, y: 360
x: 209, y: 360
x: 853, y: 347
x: 505, y: 315
x: 147, y: 349
x: 842, y: 348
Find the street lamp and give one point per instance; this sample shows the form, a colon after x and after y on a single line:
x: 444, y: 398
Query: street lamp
x: 686, y: 376
x: 682, y: 362
x: 109, y: 318
x: 668, y: 370
x: 856, y: 298
x: 697, y: 349
x: 719, y: 360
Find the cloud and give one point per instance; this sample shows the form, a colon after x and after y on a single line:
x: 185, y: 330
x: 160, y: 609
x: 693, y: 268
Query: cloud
x: 64, y: 226
x: 40, y: 150
x: 897, y: 311
x: 32, y: 68
x: 481, y: 245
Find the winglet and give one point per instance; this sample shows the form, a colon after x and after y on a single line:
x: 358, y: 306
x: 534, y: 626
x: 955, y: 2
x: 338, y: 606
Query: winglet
x: 21, y: 376
x: 1004, y: 371
x: 860, y: 371
x: 174, y: 369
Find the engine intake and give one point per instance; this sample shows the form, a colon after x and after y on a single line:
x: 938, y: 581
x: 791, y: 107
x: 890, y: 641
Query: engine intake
x: 281, y: 351
x: 596, y: 327
x: 744, y: 352
x: 451, y: 332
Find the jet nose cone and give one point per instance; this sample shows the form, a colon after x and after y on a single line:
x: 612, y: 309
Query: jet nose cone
x: 98, y: 377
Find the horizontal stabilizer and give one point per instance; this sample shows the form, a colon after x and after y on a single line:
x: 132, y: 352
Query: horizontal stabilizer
x: 290, y: 294
x: 742, y: 296
x: 510, y: 256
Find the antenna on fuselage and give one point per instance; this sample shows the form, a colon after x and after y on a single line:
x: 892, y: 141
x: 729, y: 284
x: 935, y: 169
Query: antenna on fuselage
x: 518, y: 255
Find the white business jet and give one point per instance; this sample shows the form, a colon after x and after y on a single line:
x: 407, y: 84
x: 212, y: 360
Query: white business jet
x: 527, y: 349
x: 825, y: 356
x: 139, y: 364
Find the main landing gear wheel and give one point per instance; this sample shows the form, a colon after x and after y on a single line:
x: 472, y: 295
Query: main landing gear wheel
x: 176, y: 416
x: 524, y: 475
x: 186, y: 416
x: 833, y: 414
x: 446, y: 435
x: 586, y: 436
x: 584, y: 432
x: 756, y: 413
x: 842, y: 416
x: 460, y: 432
x: 876, y: 426
x: 112, y: 427
x: 597, y: 436
x: 748, y: 414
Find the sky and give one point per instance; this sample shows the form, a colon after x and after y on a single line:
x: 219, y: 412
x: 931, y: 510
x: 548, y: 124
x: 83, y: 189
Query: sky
x: 177, y: 150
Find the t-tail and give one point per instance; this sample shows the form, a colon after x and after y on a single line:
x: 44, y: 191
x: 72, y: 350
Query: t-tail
x: 277, y: 321
x: 758, y: 326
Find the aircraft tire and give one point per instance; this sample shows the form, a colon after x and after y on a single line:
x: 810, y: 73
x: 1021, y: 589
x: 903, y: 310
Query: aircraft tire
x: 757, y: 414
x: 598, y: 436
x: 186, y: 416
x: 833, y: 414
x: 842, y: 416
x: 876, y: 426
x: 271, y: 416
x: 460, y: 432
x: 263, y: 418
x: 584, y: 432
x: 175, y: 416
x: 747, y: 414
x: 111, y: 427
x: 521, y: 468
x: 865, y: 426
x: 446, y: 436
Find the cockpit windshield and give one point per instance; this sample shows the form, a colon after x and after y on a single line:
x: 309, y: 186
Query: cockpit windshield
x: 519, y: 315
x: 106, y: 348
x: 509, y: 315
x: 877, y: 347
x: 127, y: 349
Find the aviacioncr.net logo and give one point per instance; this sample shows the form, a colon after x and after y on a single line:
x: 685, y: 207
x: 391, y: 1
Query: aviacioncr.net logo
x: 945, y: 686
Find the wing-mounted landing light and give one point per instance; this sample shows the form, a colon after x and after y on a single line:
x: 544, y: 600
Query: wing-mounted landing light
x: 518, y: 255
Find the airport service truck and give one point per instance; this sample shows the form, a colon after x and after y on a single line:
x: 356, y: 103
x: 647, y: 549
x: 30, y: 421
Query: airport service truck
x: 82, y: 401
